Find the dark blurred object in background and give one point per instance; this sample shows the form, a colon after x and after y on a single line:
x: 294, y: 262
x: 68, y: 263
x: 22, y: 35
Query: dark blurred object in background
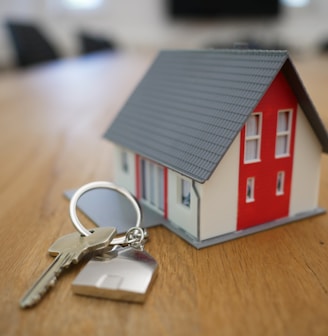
x: 90, y: 43
x: 323, y: 46
x: 30, y: 44
x: 222, y: 8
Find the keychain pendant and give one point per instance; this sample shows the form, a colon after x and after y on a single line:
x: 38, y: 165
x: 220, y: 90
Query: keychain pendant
x: 124, y: 273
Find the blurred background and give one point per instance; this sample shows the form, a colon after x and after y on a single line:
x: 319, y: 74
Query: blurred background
x: 68, y: 28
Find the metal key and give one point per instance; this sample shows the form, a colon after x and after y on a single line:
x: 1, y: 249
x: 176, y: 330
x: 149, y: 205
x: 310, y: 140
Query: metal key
x: 67, y: 249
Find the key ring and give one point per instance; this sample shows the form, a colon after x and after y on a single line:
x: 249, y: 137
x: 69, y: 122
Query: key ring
x: 134, y: 236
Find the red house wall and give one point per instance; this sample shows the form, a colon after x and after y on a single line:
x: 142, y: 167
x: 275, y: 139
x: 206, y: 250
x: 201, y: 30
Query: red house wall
x: 267, y: 206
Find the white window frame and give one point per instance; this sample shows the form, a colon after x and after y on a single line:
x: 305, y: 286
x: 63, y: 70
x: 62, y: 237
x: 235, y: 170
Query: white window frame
x: 280, y: 186
x: 250, y: 197
x: 255, y: 137
x: 152, y: 188
x: 183, y: 197
x: 284, y: 133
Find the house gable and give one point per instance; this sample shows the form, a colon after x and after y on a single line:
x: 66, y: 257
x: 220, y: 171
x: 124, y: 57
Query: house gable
x: 259, y: 199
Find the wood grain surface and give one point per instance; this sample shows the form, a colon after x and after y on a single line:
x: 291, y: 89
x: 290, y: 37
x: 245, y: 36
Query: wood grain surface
x: 52, y: 119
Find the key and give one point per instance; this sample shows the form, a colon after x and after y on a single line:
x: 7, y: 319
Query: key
x: 124, y: 273
x: 67, y: 249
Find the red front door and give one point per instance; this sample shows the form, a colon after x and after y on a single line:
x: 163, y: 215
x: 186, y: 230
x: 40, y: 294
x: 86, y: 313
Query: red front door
x: 266, y: 157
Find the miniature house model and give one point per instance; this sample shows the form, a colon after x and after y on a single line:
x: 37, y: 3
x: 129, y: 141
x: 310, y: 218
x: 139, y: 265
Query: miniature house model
x: 221, y: 143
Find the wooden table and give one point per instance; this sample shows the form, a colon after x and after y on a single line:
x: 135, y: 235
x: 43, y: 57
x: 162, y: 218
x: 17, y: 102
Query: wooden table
x: 52, y: 121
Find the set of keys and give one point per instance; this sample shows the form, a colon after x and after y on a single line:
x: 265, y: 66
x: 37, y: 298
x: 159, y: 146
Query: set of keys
x: 120, y: 268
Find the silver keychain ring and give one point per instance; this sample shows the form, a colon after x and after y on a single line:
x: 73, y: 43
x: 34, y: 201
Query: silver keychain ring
x: 102, y: 185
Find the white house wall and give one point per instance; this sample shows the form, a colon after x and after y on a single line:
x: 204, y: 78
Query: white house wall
x: 184, y: 217
x: 219, y: 196
x: 122, y: 178
x: 306, y: 168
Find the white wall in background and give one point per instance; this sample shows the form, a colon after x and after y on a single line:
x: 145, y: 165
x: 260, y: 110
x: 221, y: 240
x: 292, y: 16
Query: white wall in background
x: 143, y: 24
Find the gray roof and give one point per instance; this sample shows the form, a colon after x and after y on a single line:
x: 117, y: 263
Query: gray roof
x: 190, y: 106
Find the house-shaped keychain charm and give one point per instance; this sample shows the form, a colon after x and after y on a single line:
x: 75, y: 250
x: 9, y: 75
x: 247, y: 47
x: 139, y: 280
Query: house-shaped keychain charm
x: 220, y: 143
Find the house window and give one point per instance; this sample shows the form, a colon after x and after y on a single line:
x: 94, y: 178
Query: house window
x: 280, y: 183
x: 253, y: 138
x: 124, y: 161
x: 283, y: 133
x: 250, y: 185
x: 152, y: 183
x: 185, y: 192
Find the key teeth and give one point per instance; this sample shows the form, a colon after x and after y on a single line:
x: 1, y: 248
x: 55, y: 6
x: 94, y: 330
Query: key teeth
x: 38, y: 296
x: 52, y: 283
